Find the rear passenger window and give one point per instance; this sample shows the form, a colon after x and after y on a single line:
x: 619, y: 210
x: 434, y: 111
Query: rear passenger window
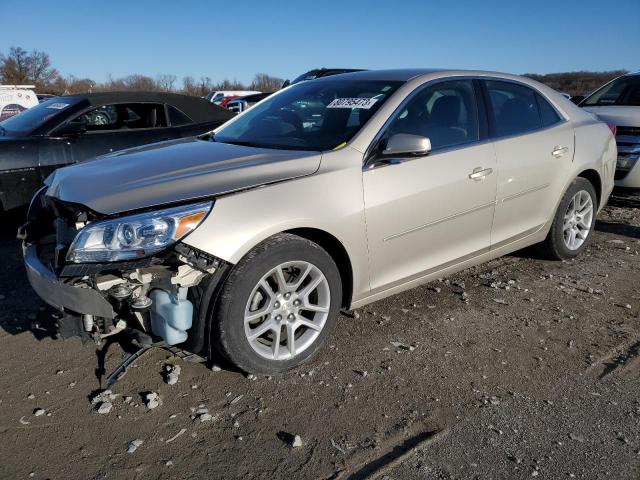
x: 514, y: 108
x: 177, y: 118
x: 548, y: 114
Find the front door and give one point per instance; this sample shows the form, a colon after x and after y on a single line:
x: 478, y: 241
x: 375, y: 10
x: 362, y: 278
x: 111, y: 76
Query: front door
x: 426, y: 213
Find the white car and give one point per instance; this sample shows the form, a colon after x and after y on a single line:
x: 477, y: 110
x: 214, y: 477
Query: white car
x: 618, y: 104
x: 15, y: 99
x: 217, y: 96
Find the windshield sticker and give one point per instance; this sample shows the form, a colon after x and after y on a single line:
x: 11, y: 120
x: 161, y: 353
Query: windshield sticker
x: 364, y: 103
x: 58, y: 106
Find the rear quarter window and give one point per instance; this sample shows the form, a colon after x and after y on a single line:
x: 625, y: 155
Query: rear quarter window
x: 548, y: 114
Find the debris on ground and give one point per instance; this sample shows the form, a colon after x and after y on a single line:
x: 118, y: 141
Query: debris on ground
x: 171, y: 373
x: 103, y: 396
x: 152, y: 400
x: 38, y: 411
x: 133, y: 445
x: 181, y: 432
x: 104, y: 407
x: 296, y: 442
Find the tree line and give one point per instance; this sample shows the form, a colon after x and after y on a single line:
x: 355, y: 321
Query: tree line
x: 18, y: 66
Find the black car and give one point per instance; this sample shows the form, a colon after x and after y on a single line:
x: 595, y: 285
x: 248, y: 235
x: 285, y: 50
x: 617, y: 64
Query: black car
x: 75, y: 128
x: 319, y: 73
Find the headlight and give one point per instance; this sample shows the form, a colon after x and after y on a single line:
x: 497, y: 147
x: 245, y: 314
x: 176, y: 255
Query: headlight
x: 135, y: 236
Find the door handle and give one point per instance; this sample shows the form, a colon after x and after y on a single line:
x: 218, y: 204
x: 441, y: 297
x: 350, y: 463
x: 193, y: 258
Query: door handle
x: 559, y: 151
x: 479, y: 173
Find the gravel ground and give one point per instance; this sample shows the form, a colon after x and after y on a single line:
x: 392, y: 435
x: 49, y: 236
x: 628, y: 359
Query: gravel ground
x: 520, y: 367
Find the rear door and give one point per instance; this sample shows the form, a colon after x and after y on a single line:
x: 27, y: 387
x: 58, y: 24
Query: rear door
x: 534, y: 147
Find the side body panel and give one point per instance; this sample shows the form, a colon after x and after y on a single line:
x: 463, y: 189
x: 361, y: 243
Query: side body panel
x: 530, y: 180
x: 416, y: 217
x: 19, y: 174
x: 331, y: 200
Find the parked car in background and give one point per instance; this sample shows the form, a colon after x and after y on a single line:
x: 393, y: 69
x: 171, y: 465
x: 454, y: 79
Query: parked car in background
x: 240, y: 104
x: 15, y: 99
x: 319, y: 73
x: 329, y: 194
x: 43, y: 97
x: 219, y: 95
x: 75, y: 128
x: 618, y: 104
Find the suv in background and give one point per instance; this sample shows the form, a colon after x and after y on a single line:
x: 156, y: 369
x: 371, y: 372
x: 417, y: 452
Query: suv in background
x: 618, y: 104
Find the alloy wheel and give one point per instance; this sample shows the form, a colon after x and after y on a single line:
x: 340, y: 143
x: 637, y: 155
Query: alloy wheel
x: 577, y: 220
x: 287, y: 310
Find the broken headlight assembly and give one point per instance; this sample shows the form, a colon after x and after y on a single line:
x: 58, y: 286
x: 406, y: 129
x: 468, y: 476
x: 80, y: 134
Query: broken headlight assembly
x: 136, y: 236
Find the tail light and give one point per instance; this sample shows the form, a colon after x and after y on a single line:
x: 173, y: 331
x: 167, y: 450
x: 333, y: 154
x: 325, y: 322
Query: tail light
x: 613, y: 128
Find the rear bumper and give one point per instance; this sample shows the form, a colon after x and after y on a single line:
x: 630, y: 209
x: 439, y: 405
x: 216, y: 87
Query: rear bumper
x: 59, y: 295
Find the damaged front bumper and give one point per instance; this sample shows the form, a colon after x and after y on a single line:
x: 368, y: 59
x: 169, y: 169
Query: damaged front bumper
x: 160, y: 300
x: 64, y: 297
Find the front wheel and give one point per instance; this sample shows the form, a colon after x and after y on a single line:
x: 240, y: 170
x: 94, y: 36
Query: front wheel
x: 573, y: 223
x: 278, y: 305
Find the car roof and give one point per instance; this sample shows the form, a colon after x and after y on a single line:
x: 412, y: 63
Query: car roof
x: 198, y: 109
x: 406, y: 74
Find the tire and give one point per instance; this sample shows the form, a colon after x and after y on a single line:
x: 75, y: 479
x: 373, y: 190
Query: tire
x: 555, y: 246
x: 247, y: 294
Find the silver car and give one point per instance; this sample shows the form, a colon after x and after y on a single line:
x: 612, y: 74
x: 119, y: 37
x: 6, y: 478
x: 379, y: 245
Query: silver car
x: 618, y: 104
x: 328, y: 195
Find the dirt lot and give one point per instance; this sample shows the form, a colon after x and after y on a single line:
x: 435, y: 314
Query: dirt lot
x: 517, y: 368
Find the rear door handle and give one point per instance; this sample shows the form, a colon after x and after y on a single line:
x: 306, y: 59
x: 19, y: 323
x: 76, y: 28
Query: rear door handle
x: 559, y: 151
x: 479, y: 173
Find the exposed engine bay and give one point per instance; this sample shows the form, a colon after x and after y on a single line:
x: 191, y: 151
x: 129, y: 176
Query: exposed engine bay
x: 159, y: 299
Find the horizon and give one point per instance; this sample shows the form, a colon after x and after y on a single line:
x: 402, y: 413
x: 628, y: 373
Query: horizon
x: 236, y: 43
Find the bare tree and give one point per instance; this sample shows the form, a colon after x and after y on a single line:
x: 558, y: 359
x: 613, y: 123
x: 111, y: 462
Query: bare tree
x: 166, y: 82
x: 21, y: 67
x: 266, y: 83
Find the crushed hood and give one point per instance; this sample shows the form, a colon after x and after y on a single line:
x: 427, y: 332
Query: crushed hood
x: 175, y: 171
x: 619, y: 115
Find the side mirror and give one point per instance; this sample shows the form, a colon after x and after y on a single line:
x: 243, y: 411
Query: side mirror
x: 577, y: 99
x: 71, y: 129
x: 285, y: 84
x: 405, y: 144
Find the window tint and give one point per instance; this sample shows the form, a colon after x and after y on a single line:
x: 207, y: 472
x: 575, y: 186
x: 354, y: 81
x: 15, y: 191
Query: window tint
x: 622, y: 91
x: 123, y: 116
x: 548, y: 115
x: 514, y: 108
x: 445, y: 113
x: 177, y: 118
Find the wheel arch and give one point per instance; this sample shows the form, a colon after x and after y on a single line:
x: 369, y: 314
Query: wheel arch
x: 337, y: 252
x: 593, y: 177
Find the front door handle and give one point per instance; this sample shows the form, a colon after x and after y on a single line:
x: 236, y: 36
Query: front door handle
x: 479, y: 173
x: 559, y: 151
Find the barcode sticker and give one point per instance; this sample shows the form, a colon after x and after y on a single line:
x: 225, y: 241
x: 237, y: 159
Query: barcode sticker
x: 364, y: 103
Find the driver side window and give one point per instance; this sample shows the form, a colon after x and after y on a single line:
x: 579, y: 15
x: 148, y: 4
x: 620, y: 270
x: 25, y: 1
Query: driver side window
x: 123, y: 116
x: 445, y: 113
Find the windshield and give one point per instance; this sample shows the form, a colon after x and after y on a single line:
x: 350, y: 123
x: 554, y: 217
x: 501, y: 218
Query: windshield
x: 319, y: 115
x: 30, y: 119
x: 622, y: 91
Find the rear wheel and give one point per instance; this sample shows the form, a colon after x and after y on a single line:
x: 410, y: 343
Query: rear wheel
x: 573, y: 223
x: 278, y: 305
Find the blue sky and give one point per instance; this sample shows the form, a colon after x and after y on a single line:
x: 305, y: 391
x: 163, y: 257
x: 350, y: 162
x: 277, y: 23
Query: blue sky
x: 237, y: 39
